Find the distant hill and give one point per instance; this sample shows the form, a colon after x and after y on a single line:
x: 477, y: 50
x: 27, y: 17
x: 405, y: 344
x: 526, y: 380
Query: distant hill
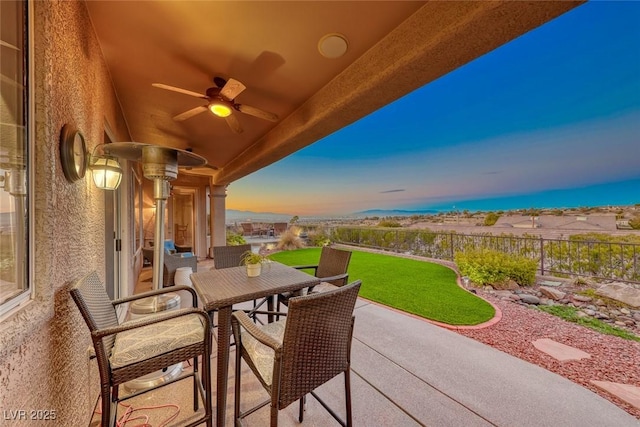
x: 395, y: 212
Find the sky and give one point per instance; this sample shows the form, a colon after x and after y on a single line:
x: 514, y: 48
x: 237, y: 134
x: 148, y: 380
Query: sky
x: 551, y: 119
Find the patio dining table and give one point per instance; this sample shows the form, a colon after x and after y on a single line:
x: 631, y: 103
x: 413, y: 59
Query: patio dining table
x: 220, y: 289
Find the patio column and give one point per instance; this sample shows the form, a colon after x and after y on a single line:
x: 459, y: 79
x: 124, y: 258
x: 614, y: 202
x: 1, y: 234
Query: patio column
x: 218, y: 217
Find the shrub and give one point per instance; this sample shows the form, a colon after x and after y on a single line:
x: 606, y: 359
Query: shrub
x: 318, y: 238
x: 290, y: 239
x: 389, y: 223
x: 234, y: 239
x: 491, y: 219
x: 489, y: 267
x: 635, y: 222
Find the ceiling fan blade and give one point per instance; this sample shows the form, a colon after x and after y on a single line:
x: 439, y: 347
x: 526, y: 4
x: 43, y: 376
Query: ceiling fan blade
x: 190, y: 113
x: 232, y: 89
x: 179, y: 90
x: 256, y: 112
x: 233, y: 123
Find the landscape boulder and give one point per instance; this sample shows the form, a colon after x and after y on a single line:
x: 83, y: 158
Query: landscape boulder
x: 620, y: 292
x: 552, y: 293
x: 529, y: 299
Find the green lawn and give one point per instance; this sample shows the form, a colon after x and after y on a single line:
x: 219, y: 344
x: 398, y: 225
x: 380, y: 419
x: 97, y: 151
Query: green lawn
x: 426, y: 289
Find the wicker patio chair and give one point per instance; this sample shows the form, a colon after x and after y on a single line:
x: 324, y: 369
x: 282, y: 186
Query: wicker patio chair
x: 279, y: 228
x: 139, y: 347
x: 229, y: 256
x: 331, y: 268
x: 172, y: 263
x: 294, y: 356
x: 250, y: 229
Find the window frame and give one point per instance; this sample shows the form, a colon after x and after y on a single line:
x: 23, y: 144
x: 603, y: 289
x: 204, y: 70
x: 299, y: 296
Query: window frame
x: 14, y: 304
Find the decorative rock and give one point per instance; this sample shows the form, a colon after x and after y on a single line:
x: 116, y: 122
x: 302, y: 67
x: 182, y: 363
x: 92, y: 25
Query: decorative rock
x: 503, y: 294
x: 552, y: 293
x: 600, y: 315
x: 511, y: 285
x: 636, y: 316
x: 529, y: 299
x: 619, y: 323
x: 592, y: 307
x: 582, y: 314
x: 550, y: 283
x: 621, y: 292
x: 588, y: 312
x: 625, y: 311
x: 582, y: 298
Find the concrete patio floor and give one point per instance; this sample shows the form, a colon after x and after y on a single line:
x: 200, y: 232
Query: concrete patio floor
x: 409, y: 372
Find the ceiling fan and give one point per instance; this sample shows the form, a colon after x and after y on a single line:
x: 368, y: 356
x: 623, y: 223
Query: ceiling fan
x: 221, y: 102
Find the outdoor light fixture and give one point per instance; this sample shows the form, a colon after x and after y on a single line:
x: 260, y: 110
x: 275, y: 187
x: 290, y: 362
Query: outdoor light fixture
x: 219, y: 109
x: 106, y: 171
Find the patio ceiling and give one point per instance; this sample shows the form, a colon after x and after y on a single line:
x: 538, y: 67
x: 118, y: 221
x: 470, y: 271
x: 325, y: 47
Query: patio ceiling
x: 394, y: 47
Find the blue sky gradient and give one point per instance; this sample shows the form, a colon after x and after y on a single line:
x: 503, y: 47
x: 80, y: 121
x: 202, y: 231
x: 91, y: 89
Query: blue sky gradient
x: 551, y: 119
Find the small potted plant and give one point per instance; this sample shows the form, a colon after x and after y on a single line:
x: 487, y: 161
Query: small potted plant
x: 254, y: 262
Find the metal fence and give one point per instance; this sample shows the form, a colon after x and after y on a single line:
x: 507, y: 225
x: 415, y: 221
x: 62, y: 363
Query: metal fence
x: 617, y: 261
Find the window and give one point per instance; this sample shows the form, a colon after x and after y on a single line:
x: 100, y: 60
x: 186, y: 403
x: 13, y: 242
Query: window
x: 14, y: 156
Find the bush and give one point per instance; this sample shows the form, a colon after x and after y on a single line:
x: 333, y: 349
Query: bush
x: 290, y: 239
x: 389, y: 223
x: 635, y: 222
x: 489, y: 267
x: 234, y: 239
x: 491, y: 219
x: 318, y: 238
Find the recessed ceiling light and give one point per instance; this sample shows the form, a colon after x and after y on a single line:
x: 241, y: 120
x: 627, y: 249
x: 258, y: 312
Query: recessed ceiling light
x: 333, y: 45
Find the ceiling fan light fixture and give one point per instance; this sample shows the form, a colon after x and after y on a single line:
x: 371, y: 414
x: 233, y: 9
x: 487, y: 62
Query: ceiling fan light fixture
x: 333, y: 45
x: 219, y: 109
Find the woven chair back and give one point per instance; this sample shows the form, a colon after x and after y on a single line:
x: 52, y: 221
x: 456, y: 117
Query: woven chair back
x: 172, y: 263
x: 229, y: 256
x: 317, y: 341
x: 96, y: 307
x: 332, y: 263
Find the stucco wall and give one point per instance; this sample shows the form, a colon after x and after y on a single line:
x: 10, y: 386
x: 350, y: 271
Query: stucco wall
x: 43, y: 347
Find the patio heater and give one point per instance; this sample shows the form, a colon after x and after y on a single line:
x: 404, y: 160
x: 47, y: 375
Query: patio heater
x: 159, y: 164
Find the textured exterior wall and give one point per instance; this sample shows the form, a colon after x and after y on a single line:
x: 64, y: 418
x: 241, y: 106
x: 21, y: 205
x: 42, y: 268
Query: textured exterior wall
x: 43, y: 347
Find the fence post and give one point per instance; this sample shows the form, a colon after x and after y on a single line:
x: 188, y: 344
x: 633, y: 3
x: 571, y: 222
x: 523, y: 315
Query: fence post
x: 451, y: 234
x: 541, y: 256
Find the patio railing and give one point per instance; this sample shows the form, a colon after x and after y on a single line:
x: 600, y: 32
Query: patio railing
x: 616, y: 261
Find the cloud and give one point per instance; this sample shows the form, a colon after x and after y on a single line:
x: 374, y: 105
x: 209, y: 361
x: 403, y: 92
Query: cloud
x: 393, y: 191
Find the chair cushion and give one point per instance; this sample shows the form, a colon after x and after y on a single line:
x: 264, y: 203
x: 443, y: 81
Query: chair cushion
x: 323, y: 287
x: 262, y: 355
x: 184, y: 254
x: 152, y: 340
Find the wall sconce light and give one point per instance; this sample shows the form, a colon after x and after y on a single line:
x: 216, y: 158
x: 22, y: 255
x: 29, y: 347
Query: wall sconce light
x: 106, y: 171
